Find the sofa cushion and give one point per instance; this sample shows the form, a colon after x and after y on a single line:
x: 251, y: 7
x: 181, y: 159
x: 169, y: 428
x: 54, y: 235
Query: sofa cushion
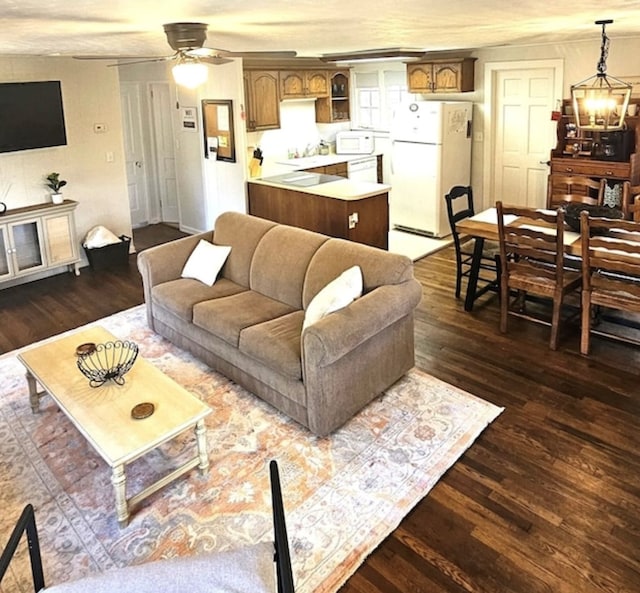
x: 179, y: 296
x: 276, y: 343
x: 336, y: 295
x: 205, y: 262
x: 280, y: 263
x: 227, y: 317
x: 245, y: 570
x: 242, y: 232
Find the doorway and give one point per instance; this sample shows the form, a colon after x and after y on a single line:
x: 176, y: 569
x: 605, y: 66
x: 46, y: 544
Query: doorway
x: 149, y: 153
x: 520, y: 97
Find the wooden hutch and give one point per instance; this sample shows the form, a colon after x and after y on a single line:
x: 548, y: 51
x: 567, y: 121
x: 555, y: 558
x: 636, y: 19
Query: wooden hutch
x: 580, y: 152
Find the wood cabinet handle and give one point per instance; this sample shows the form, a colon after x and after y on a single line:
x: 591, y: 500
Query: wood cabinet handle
x: 568, y: 169
x: 608, y: 172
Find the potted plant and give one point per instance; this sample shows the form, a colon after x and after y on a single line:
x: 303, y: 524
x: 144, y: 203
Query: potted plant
x: 55, y: 183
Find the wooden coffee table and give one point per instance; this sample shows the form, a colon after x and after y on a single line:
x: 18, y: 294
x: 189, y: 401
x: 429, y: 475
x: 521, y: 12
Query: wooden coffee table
x: 103, y: 414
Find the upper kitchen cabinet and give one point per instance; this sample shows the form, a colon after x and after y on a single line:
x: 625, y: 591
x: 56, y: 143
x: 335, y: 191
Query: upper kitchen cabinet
x: 441, y: 76
x: 262, y: 99
x: 300, y: 84
x: 335, y: 107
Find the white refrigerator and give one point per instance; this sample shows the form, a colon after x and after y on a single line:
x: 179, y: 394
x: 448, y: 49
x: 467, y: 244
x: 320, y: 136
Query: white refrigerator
x: 430, y: 153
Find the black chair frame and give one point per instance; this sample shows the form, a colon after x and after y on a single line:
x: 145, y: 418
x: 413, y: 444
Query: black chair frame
x: 464, y: 259
x: 27, y: 524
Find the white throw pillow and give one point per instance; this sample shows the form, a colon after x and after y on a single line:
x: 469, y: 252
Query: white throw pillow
x: 337, y: 294
x: 205, y: 262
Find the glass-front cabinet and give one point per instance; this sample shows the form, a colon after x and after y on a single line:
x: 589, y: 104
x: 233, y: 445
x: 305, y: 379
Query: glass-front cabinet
x: 25, y: 245
x: 5, y: 264
x: 38, y: 238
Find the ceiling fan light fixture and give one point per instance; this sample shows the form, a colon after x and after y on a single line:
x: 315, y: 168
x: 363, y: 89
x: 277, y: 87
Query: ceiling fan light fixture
x: 190, y: 73
x: 600, y: 102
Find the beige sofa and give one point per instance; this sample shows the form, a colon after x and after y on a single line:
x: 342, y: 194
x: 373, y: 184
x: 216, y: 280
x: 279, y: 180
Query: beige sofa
x: 248, y: 325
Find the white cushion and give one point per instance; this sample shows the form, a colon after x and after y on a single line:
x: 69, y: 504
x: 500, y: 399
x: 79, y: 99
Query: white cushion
x: 247, y: 570
x: 205, y: 262
x: 337, y: 294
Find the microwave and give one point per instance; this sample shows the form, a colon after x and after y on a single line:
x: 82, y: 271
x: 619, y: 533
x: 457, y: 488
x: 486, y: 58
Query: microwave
x: 354, y: 142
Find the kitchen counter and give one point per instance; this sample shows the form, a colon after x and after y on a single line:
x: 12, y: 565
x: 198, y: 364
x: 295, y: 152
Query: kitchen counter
x: 338, y: 188
x: 328, y: 204
x: 276, y: 165
x: 322, y: 160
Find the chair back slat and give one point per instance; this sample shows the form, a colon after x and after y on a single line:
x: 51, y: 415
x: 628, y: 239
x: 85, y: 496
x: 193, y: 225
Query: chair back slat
x: 563, y: 189
x: 533, y: 253
x: 282, y: 554
x: 536, y: 235
x: 26, y: 525
x: 613, y: 253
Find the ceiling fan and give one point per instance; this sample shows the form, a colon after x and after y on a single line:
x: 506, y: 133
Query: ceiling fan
x: 191, y: 56
x: 188, y: 39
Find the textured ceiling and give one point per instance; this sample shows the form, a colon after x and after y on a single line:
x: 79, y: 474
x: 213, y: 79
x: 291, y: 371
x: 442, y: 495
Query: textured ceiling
x: 311, y: 27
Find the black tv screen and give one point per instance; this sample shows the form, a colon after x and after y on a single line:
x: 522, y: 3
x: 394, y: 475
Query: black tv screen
x: 31, y: 115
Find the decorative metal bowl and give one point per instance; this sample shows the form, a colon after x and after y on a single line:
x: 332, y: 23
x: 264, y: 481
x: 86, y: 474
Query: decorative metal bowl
x: 108, y: 361
x: 572, y: 214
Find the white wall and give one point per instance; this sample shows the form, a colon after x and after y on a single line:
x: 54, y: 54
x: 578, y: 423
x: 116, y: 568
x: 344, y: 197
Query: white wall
x: 580, y: 60
x: 298, y: 129
x: 90, y: 94
x: 205, y: 187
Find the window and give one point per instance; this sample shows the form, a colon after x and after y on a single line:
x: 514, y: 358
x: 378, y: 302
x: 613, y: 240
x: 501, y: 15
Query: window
x: 377, y: 94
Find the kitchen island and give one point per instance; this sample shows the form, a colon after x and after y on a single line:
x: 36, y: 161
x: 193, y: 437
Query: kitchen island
x: 328, y: 204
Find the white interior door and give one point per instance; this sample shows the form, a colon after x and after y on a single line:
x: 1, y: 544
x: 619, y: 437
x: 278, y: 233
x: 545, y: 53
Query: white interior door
x: 130, y: 98
x: 164, y: 148
x: 521, y: 97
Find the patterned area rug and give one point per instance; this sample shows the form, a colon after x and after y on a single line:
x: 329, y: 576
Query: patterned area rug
x: 343, y: 494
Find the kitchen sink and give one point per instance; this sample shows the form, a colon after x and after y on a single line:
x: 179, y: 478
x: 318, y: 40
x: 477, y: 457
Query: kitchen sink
x: 306, y: 161
x: 303, y: 179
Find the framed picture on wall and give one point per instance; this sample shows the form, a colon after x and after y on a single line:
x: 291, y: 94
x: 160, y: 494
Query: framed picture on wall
x: 189, y: 119
x: 217, y: 123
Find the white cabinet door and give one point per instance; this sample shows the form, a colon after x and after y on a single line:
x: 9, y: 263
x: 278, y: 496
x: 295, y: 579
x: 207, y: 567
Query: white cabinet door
x: 6, y: 269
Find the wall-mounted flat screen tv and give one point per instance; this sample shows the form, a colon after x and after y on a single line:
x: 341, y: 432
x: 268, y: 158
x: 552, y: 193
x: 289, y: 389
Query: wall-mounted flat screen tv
x: 31, y: 115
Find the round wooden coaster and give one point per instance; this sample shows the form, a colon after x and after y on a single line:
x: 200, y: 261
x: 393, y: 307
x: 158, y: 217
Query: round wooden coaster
x: 87, y: 348
x: 143, y: 410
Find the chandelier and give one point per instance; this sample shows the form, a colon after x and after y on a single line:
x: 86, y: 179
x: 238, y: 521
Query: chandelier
x: 600, y: 101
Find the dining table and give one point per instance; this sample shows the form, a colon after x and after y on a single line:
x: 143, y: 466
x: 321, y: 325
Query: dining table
x: 484, y: 226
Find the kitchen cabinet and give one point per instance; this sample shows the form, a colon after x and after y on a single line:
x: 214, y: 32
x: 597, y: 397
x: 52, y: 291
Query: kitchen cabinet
x: 441, y: 76
x: 38, y: 238
x: 300, y: 84
x: 262, y: 99
x: 335, y: 107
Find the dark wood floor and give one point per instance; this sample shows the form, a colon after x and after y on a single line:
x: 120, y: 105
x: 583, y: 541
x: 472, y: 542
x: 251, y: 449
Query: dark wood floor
x: 546, y: 500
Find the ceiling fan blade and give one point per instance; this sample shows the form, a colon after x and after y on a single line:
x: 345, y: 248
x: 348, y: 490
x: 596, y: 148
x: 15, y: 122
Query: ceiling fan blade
x: 116, y: 57
x: 258, y: 54
x: 143, y: 61
x: 217, y: 60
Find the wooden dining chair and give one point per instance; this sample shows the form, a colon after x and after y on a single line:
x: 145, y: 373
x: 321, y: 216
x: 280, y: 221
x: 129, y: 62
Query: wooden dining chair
x: 459, y: 203
x: 533, y: 261
x: 563, y: 189
x: 264, y: 567
x: 631, y: 197
x: 610, y: 270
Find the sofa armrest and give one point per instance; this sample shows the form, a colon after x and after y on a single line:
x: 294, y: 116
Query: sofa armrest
x: 165, y: 262
x: 341, y: 332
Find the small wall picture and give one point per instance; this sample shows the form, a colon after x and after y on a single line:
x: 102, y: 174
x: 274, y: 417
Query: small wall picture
x: 217, y: 124
x: 189, y: 119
